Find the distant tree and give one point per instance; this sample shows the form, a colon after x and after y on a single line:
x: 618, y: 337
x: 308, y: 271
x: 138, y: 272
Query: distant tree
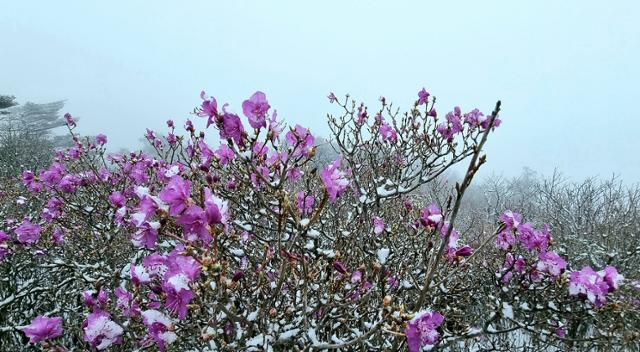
x: 26, y: 140
x: 7, y: 101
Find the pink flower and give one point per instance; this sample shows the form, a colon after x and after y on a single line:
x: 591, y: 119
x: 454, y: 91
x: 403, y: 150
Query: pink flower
x: 475, y: 118
x: 422, y: 330
x: 335, y: 180
x: 551, y: 263
x: 431, y: 216
x: 182, y: 270
x: 176, y: 194
x: 332, y: 97
x: 256, y: 108
x: 139, y: 275
x: 70, y: 121
x: 124, y: 300
x: 159, y: 326
x: 27, y: 232
x: 301, y: 140
x: 57, y: 236
x: 511, y: 219
x: 452, y: 126
x: 423, y: 95
x: 533, y: 239
x: 224, y: 154
x: 304, y: 202
x: 388, y: 133
x: 29, y: 180
x: 231, y: 128
x: 594, y: 285
x: 378, y: 225
x: 43, y: 328
x: 275, y: 127
x: 356, y: 276
x: 208, y: 109
x: 100, y: 331
x: 194, y: 224
x: 505, y: 239
x: 52, y: 176
x: 216, y: 209
x: 116, y: 199
x: 146, y: 235
x: 611, y: 277
x: 101, y: 139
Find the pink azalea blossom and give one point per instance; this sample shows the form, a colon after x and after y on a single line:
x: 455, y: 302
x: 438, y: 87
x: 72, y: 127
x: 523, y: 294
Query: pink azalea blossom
x: 57, y: 236
x: 216, y: 209
x: 231, y: 128
x: 304, y: 202
x: 100, y: 331
x: 294, y: 174
x: 176, y: 195
x: 452, y: 126
x: 52, y: 176
x: 159, y: 327
x: 301, y: 140
x: 29, y: 180
x: 388, y: 133
x: 610, y: 275
x: 71, y: 122
x: 511, y: 219
x: 256, y: 108
x: 209, y: 108
x: 27, y: 232
x: 334, y: 179
x: 116, y: 199
x: 224, y: 154
x: 431, y: 216
x: 43, y: 328
x: 182, y: 270
x: 146, y: 235
x: 551, y: 263
x: 474, y: 118
x: 378, y: 225
x: 594, y: 285
x: 423, y: 95
x: 422, y: 330
x: 194, y: 224
x: 124, y: 301
x: 139, y: 275
x: 275, y: 127
x: 505, y: 239
x: 533, y: 239
x: 101, y: 139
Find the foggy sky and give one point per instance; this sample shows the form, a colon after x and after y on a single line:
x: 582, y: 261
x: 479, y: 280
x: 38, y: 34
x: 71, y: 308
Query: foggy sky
x: 567, y: 72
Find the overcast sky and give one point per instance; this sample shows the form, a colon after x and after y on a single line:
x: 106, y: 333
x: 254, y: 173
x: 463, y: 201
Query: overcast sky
x: 568, y: 72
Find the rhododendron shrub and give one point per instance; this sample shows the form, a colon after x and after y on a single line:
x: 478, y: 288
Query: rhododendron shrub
x: 241, y: 237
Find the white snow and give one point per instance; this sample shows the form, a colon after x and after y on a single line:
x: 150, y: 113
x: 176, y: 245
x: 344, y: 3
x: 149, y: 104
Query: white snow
x: 383, y: 254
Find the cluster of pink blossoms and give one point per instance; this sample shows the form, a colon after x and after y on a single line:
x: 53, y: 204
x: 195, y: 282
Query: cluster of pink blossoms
x: 594, y: 285
x: 585, y: 283
x: 422, y: 330
x: 431, y: 218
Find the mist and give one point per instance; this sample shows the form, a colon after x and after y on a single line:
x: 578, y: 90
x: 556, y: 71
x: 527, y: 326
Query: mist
x: 566, y: 72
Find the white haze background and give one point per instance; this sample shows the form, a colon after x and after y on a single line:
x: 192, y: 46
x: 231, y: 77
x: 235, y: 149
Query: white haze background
x: 566, y: 71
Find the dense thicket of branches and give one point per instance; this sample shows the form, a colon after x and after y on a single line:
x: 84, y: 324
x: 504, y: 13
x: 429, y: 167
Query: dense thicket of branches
x: 266, y: 243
